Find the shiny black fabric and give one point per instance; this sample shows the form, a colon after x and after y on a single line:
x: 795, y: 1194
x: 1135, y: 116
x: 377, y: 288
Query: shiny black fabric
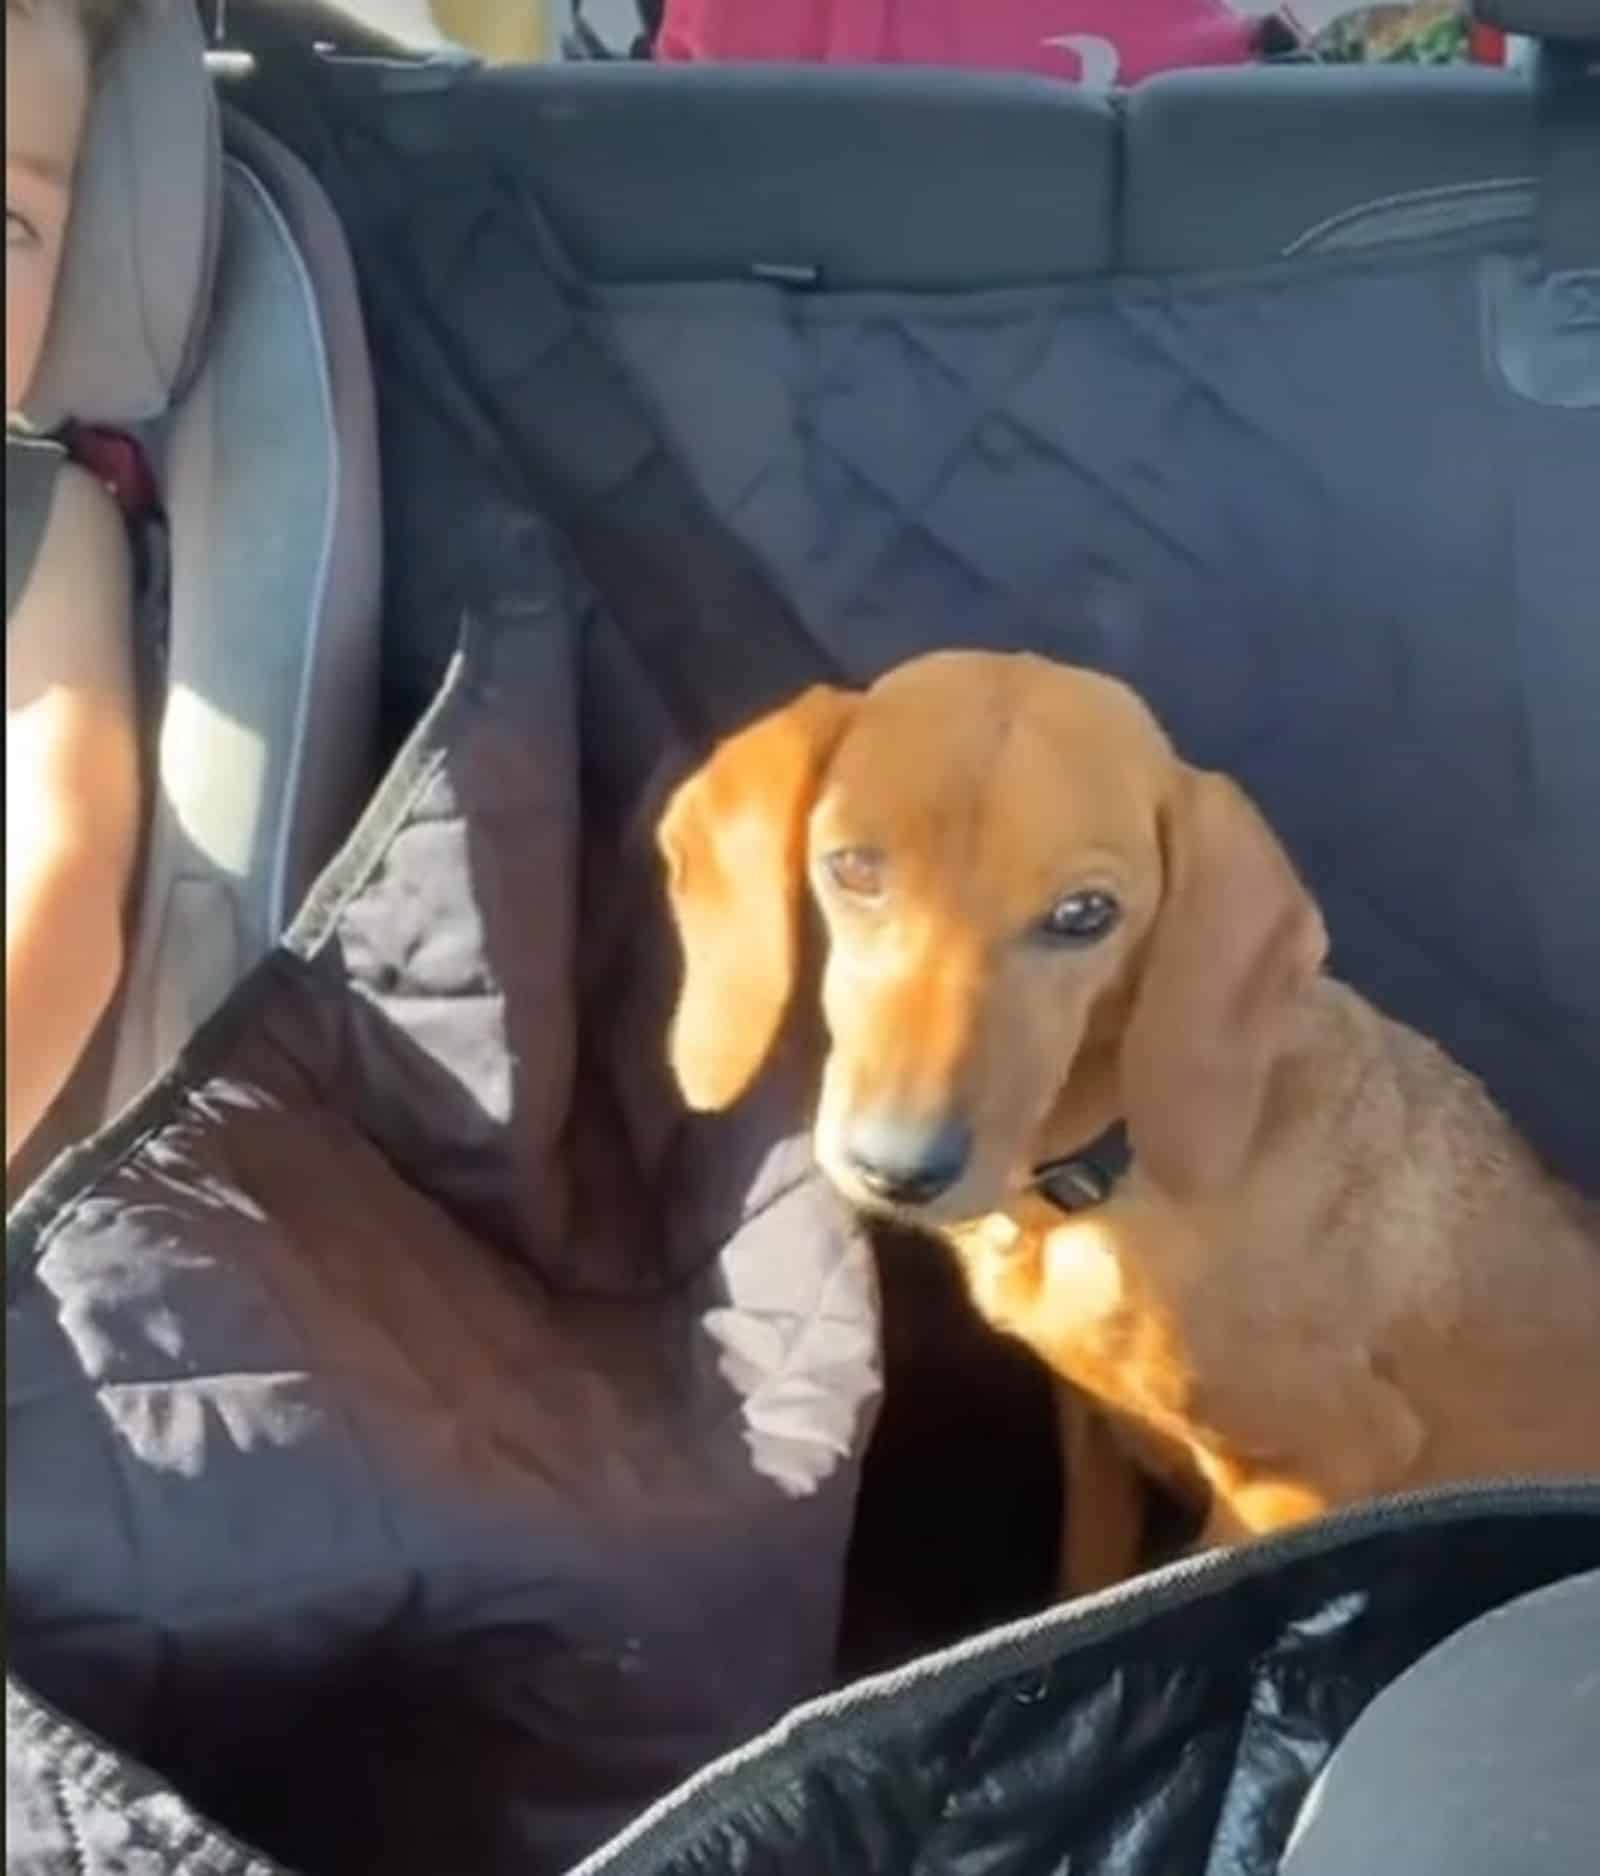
x: 1174, y: 1727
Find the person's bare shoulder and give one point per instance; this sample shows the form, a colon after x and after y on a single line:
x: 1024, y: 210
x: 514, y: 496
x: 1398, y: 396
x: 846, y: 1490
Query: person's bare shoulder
x: 72, y: 628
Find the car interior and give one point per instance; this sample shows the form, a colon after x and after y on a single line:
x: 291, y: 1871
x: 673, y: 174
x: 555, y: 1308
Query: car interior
x: 470, y: 1451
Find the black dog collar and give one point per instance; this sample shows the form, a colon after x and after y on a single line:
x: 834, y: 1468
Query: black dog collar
x: 1080, y: 1181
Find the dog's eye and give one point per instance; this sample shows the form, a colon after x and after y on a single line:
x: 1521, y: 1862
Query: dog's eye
x: 1081, y: 918
x: 855, y: 870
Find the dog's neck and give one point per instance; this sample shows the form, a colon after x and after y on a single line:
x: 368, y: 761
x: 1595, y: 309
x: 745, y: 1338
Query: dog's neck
x: 1081, y: 1151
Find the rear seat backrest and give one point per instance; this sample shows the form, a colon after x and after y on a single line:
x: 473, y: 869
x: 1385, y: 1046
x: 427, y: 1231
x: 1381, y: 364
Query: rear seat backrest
x: 207, y: 305
x: 1351, y: 150
x: 848, y: 179
x: 1575, y: 20
x: 1247, y: 432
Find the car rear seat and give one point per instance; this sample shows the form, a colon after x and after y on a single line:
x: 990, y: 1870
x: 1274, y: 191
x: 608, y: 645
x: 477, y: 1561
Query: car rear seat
x: 832, y: 184
x: 207, y: 306
x: 430, y: 1422
x: 1353, y: 151
x: 881, y: 177
x: 1447, y: 420
x: 816, y: 176
x: 894, y: 468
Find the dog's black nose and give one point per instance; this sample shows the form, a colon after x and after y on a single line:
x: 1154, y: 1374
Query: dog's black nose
x: 909, y: 1164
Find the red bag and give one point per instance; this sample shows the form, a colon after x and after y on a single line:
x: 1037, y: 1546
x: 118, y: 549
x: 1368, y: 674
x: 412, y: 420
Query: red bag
x: 1093, y: 42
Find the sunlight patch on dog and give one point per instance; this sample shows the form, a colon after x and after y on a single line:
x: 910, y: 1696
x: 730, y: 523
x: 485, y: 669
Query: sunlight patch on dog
x: 1081, y: 1262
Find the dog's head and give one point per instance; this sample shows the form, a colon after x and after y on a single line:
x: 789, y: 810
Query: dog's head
x: 1037, y: 921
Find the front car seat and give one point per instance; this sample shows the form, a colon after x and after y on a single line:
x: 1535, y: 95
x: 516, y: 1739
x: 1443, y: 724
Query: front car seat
x: 208, y: 308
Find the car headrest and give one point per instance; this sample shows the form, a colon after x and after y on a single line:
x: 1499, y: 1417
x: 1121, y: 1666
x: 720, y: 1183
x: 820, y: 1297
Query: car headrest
x: 1577, y: 20
x: 135, y: 286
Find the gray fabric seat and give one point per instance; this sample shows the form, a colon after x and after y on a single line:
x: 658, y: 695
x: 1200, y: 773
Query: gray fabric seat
x: 873, y: 178
x: 866, y: 178
x: 207, y: 306
x: 1479, y: 1760
x: 1356, y: 155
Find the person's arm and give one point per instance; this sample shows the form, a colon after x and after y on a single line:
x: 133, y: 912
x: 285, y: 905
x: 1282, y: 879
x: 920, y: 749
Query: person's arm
x: 72, y: 795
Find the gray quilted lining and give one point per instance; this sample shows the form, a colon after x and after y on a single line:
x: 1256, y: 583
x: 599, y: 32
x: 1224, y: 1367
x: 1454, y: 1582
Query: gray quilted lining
x: 1420, y: 214
x: 388, y: 1422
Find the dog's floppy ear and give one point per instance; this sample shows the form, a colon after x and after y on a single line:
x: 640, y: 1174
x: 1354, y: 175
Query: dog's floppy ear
x: 733, y: 837
x: 1236, y: 943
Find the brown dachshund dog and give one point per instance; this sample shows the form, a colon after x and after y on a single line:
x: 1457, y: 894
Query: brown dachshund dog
x: 1332, y: 1270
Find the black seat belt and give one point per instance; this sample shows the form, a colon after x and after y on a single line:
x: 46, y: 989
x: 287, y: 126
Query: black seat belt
x: 577, y: 443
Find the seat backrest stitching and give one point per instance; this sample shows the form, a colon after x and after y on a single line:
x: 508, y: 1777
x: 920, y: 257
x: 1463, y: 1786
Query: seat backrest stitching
x: 1319, y: 232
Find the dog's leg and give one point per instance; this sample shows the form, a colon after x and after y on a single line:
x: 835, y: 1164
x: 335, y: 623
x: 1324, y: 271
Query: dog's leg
x: 1250, y: 1510
x: 1103, y: 1499
x: 1363, y: 1439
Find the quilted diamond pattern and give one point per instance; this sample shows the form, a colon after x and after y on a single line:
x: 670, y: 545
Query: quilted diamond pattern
x: 1286, y: 506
